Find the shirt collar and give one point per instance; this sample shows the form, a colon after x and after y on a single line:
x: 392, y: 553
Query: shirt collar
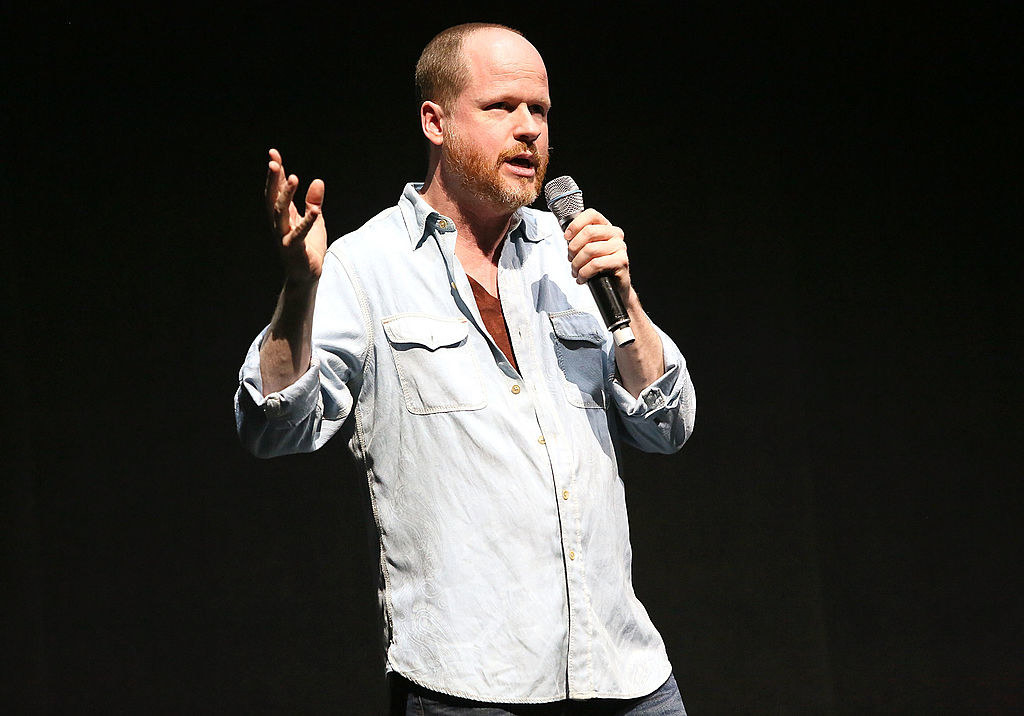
x: 421, y: 220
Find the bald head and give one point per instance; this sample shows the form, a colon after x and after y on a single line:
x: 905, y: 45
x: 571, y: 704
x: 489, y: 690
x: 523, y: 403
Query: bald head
x: 445, y: 66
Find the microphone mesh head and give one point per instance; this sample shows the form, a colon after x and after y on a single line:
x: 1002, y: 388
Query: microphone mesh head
x: 564, y: 198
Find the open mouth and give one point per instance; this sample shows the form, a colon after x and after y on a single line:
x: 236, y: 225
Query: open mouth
x: 523, y: 164
x: 521, y: 161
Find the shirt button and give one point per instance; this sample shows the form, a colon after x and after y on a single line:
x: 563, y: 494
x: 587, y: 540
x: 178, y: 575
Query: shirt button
x: 516, y: 389
x: 565, y: 494
x: 273, y: 406
x: 654, y: 399
x: 542, y: 441
x: 572, y: 555
x: 442, y: 224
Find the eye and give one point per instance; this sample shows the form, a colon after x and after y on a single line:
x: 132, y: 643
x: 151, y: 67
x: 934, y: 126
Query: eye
x: 503, y: 106
x: 539, y: 110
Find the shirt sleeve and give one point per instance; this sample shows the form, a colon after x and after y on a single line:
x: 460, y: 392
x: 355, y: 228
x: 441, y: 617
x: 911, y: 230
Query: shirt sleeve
x: 661, y: 418
x: 303, y: 416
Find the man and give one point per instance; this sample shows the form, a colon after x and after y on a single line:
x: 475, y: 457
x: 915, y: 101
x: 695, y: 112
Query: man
x: 463, y: 355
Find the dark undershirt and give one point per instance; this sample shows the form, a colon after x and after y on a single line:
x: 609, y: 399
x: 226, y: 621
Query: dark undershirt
x: 494, y: 319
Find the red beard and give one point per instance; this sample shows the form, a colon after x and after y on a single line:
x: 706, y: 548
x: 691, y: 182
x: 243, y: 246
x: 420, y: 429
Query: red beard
x: 484, y: 179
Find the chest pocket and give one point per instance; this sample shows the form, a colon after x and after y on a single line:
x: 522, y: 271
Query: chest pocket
x: 436, y: 367
x: 578, y: 340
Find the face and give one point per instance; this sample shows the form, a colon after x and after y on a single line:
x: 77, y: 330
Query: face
x: 496, y: 140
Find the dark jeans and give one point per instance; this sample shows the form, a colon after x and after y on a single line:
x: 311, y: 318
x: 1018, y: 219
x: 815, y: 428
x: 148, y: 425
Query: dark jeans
x: 408, y: 699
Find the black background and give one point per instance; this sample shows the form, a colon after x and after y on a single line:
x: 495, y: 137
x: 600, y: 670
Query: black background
x: 823, y: 208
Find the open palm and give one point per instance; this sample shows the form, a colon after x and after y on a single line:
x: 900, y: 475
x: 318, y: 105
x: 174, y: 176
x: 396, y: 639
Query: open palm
x: 302, y: 238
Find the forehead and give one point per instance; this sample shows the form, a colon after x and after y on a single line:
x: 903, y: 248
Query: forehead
x: 503, y: 62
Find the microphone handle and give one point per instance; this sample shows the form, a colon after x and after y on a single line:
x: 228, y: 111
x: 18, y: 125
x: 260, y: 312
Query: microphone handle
x: 608, y: 300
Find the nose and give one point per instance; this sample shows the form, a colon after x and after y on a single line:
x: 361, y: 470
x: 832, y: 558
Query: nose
x: 528, y: 126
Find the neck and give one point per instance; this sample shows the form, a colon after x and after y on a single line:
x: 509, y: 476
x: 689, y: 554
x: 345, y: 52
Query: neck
x: 481, y: 225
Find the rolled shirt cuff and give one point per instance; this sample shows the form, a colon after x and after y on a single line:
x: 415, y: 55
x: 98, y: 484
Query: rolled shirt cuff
x: 661, y: 394
x: 292, y: 404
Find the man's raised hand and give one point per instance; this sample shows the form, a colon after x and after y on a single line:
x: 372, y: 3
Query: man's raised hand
x: 302, y: 239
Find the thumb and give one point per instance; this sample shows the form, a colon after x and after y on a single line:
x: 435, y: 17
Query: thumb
x: 315, y: 194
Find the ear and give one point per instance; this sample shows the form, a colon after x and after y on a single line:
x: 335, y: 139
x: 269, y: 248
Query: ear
x: 431, y: 120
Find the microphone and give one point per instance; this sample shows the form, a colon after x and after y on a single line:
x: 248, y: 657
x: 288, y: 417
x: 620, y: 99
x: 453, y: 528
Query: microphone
x: 565, y: 200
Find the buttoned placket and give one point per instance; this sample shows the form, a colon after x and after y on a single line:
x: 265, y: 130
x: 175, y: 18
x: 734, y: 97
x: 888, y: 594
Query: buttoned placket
x: 519, y: 316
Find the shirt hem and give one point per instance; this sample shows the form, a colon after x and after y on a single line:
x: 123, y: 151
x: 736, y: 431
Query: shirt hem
x: 579, y: 696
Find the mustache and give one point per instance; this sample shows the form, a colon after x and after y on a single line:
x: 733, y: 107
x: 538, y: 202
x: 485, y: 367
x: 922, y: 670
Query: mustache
x: 523, y: 148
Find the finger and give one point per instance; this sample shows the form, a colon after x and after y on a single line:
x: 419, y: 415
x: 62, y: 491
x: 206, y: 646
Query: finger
x: 301, y: 228
x: 275, y: 183
x: 594, y: 232
x: 315, y: 194
x: 614, y: 264
x: 272, y: 186
x: 275, y: 158
x: 275, y: 173
x: 588, y: 217
x: 596, y: 250
x: 283, y: 207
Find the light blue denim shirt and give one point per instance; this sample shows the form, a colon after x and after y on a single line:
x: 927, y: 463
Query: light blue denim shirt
x: 504, y: 545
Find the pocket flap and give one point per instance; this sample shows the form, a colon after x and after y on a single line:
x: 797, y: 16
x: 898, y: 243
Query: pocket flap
x: 577, y: 325
x: 431, y: 332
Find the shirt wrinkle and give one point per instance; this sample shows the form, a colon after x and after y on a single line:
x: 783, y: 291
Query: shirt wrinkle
x: 496, y: 495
